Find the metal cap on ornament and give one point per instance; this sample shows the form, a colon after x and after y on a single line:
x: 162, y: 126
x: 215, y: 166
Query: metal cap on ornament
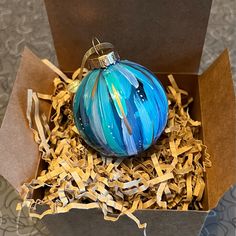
x: 103, y: 61
x: 102, y: 58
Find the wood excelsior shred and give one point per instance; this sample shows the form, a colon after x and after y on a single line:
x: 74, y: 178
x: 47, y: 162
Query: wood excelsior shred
x: 170, y: 175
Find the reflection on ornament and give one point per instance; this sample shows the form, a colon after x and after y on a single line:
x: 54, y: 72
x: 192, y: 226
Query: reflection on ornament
x: 120, y: 108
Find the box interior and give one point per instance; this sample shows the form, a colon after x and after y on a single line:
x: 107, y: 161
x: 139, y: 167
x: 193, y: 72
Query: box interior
x: 164, y: 36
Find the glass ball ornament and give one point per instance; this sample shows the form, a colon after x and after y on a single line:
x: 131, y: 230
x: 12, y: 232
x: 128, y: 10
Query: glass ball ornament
x: 120, y: 108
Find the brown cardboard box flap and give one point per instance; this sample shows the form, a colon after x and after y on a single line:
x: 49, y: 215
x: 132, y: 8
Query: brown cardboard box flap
x: 160, y: 223
x: 165, y: 36
x: 218, y: 116
x: 19, y: 155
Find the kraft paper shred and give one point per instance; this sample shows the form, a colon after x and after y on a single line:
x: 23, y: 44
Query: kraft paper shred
x: 170, y: 175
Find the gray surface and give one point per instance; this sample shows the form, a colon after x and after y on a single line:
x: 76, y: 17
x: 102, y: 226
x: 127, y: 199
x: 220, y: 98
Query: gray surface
x: 24, y: 22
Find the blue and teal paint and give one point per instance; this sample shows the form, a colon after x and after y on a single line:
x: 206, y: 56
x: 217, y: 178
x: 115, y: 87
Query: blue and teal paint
x: 120, y: 110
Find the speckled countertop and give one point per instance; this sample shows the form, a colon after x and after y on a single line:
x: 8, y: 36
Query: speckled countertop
x: 24, y: 22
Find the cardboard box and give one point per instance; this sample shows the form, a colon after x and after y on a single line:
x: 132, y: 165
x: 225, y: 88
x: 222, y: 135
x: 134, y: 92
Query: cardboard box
x: 165, y: 36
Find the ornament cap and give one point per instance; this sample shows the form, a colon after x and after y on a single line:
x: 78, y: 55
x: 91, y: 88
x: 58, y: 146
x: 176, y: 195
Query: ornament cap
x: 101, y: 55
x: 103, y: 61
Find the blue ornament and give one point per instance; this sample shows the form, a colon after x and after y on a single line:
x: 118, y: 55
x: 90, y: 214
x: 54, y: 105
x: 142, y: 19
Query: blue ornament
x: 120, y: 107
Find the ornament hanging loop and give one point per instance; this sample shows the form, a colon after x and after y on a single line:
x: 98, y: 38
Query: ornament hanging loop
x: 100, y: 55
x: 94, y: 45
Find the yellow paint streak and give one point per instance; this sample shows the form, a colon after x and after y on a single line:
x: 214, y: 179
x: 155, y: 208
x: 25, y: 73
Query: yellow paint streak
x: 117, y: 98
x: 95, y: 84
x: 95, y: 88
